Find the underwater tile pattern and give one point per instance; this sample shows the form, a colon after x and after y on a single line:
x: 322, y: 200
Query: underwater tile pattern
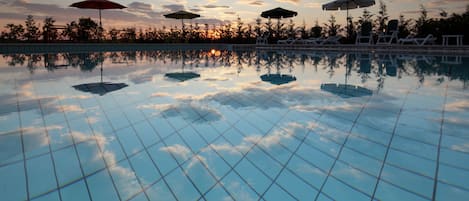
x: 233, y: 125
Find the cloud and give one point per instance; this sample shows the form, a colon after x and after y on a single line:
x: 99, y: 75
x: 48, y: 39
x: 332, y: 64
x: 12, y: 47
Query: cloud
x: 177, y: 150
x: 214, y: 6
x: 230, y: 12
x: 192, y: 112
x: 289, y: 1
x: 173, y: 7
x: 196, y: 10
x: 140, y: 6
x: 458, y: 106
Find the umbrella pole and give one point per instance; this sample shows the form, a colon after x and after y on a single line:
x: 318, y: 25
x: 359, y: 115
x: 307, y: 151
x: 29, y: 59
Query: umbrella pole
x: 101, y: 72
x: 100, y: 28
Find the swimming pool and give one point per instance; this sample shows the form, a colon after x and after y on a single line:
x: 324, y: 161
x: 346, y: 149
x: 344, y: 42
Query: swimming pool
x: 234, y: 125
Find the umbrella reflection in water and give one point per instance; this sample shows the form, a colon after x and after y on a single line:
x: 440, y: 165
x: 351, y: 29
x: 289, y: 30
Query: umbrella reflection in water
x: 101, y: 87
x: 182, y: 76
x: 348, y: 90
x: 277, y: 79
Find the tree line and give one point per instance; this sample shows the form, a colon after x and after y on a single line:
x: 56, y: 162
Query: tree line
x: 87, y: 30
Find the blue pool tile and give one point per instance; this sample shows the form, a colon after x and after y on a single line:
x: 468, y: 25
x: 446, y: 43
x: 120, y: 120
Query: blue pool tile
x: 253, y: 176
x: 360, y: 161
x: 277, y: 193
x: 454, y: 158
x: 371, y: 134
x: 140, y: 197
x: 295, y: 186
x: 146, y: 133
x: 160, y: 191
x: 101, y: 186
x: 333, y: 186
x: 129, y: 140
x: 9, y: 122
x: 144, y: 168
x: 35, y: 142
x: 125, y: 180
x: 315, y: 157
x: 307, y: 172
x: 354, y: 177
x: 412, y: 163
x: 182, y: 186
x: 264, y: 162
x: 75, y: 192
x: 163, y: 159
x: 445, y: 191
x: 417, y: 134
x: 52, y: 196
x: 194, y: 140
x: 41, y: 175
x: 161, y: 126
x: 10, y: 148
x: 13, y: 182
x: 454, y: 176
x: 455, y: 143
x: 90, y: 157
x: 369, y: 148
x: 420, y: 185
x: 198, y: 171
x: 417, y: 148
x: 218, y: 193
x: 239, y: 189
x: 117, y: 119
x: 67, y: 166
x: 389, y: 192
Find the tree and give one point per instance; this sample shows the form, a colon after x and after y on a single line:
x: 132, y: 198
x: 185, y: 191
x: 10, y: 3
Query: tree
x: 239, y: 29
x: 316, y: 31
x: 404, y: 25
x: 87, y: 29
x: 381, y: 18
x: 421, y: 22
x: 332, y: 28
x: 15, y: 32
x: 32, y: 31
x: 48, y: 31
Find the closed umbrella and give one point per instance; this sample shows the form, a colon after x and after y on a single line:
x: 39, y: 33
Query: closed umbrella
x: 97, y: 4
x: 346, y: 5
x: 182, y: 15
x: 278, y: 13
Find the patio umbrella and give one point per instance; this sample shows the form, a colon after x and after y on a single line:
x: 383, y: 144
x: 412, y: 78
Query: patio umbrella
x: 97, y: 4
x: 278, y: 13
x: 182, y: 15
x: 101, y: 87
x: 346, y: 90
x: 347, y: 5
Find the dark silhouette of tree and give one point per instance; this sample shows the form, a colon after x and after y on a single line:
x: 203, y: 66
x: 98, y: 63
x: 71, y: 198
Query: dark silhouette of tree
x: 15, y: 32
x: 32, y: 31
x: 48, y: 31
x: 87, y: 29
x: 332, y: 28
x: 316, y: 31
x: 404, y: 27
x: 381, y: 18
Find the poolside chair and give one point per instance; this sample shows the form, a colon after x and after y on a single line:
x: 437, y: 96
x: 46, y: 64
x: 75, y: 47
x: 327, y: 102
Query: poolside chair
x: 311, y: 41
x: 429, y: 39
x: 287, y: 41
x: 365, y: 34
x: 330, y: 40
x: 390, y: 34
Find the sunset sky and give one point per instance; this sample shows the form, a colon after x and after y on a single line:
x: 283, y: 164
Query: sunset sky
x: 149, y: 13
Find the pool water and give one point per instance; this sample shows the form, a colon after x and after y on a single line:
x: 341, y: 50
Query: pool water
x: 234, y: 125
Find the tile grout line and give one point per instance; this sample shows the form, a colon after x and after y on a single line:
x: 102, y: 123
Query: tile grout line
x: 389, y: 147
x: 22, y: 142
x: 349, y: 133
x: 435, y: 184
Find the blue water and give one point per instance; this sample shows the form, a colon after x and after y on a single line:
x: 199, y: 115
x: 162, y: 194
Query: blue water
x: 224, y: 125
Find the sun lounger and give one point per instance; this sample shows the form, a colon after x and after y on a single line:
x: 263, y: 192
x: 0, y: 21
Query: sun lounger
x: 390, y: 35
x: 429, y: 39
x: 330, y: 40
x: 365, y: 35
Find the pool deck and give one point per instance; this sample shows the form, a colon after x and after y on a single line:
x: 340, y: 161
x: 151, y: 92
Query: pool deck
x: 14, y: 48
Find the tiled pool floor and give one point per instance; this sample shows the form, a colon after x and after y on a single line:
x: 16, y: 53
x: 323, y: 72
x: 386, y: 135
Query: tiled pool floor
x: 395, y: 129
